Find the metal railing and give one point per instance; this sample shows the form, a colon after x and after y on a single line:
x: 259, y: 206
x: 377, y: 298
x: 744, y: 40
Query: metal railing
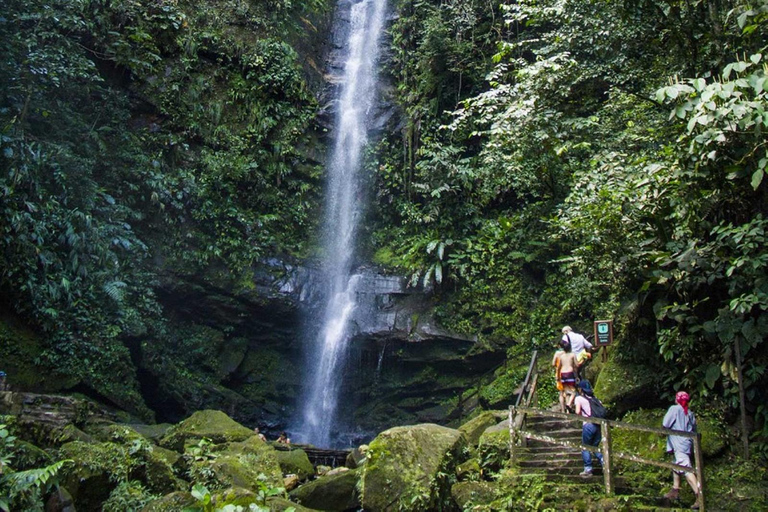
x: 518, y: 413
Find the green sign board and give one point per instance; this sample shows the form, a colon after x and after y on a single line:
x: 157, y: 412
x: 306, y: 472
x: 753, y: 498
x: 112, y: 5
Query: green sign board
x: 603, y: 332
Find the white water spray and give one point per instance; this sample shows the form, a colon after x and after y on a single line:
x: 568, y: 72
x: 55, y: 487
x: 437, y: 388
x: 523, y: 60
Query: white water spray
x: 355, y: 105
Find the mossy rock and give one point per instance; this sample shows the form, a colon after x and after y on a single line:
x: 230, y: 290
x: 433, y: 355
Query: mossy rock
x: 95, y: 469
x: 172, y: 502
x: 408, y: 468
x: 169, y: 456
x: 469, y: 470
x: 336, y: 492
x: 467, y: 494
x: 116, y: 433
x: 20, y: 348
x: 69, y: 433
x: 231, y: 356
x: 295, y: 462
x: 209, y: 424
x: 158, y: 474
x: 243, y: 464
x: 276, y: 504
x: 152, y: 432
x: 622, y: 385
x: 28, y: 456
x: 493, y: 448
x: 475, y: 427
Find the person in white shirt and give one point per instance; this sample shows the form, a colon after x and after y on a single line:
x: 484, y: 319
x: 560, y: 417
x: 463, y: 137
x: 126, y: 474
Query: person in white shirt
x: 580, y: 346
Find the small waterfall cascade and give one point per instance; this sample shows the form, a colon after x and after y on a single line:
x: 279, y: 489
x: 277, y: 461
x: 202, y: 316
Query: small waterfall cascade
x: 356, y: 102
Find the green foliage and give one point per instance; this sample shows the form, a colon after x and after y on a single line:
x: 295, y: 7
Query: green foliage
x: 23, y: 489
x: 128, y: 496
x: 131, y: 130
x: 569, y: 191
x: 206, y: 502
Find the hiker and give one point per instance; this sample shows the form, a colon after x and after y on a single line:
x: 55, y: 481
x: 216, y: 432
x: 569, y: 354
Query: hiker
x: 579, y: 345
x: 257, y: 432
x: 283, y: 439
x: 565, y: 375
x: 590, y: 432
x: 680, y: 417
x: 3, y: 385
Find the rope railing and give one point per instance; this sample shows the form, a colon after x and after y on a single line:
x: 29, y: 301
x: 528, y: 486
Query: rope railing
x: 609, y: 455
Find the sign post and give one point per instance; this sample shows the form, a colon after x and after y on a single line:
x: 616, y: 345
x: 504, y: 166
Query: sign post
x: 603, y: 336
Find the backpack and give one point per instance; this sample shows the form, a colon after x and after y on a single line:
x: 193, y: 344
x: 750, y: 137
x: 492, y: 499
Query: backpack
x: 597, y: 407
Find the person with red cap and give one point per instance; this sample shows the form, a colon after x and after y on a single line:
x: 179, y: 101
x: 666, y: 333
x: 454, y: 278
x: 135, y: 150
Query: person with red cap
x: 680, y: 417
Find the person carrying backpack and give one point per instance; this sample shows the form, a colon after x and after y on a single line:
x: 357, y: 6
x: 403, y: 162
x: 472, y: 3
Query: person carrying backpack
x: 589, y: 406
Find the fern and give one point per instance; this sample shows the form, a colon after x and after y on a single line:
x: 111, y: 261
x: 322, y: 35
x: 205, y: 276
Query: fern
x: 26, y: 487
x: 115, y: 290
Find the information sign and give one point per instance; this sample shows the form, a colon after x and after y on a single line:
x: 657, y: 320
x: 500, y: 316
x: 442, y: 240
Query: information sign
x: 603, y: 333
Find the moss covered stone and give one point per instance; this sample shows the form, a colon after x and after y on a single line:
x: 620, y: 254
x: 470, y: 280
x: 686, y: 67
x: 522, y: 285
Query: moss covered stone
x: 213, y: 425
x: 115, y: 433
x: 475, y: 427
x: 493, y: 448
x: 281, y: 504
x: 172, y: 502
x: 408, y: 468
x: 295, y: 462
x: 469, y: 470
x: 623, y: 385
x: 246, y: 464
x: 333, y: 492
x: 94, y: 471
x: 467, y: 494
x: 20, y: 350
x: 69, y: 433
x: 152, y: 432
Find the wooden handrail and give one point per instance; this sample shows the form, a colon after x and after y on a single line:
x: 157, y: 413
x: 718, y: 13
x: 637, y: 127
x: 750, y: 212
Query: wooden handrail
x: 527, y: 381
x: 613, y: 423
x: 608, y: 454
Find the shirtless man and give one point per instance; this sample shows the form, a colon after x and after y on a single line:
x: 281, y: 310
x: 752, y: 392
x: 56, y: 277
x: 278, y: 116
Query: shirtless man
x: 565, y: 373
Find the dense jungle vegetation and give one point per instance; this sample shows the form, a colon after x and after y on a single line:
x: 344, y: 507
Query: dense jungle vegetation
x: 554, y: 161
x: 142, y: 136
x: 579, y: 159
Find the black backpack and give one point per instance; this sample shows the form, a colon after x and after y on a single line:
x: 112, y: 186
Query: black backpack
x: 597, y: 407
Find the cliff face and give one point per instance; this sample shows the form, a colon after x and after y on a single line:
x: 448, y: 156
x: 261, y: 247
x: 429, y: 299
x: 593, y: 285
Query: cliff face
x: 251, y: 360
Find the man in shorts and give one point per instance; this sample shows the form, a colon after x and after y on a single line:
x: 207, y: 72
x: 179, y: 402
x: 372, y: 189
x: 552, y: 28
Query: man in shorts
x: 679, y: 417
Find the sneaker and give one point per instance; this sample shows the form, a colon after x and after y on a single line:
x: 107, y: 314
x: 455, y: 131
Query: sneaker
x: 673, y: 494
x: 586, y: 474
x: 696, y: 504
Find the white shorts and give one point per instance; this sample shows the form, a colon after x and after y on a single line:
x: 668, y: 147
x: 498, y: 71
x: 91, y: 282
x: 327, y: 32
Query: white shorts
x: 682, y: 459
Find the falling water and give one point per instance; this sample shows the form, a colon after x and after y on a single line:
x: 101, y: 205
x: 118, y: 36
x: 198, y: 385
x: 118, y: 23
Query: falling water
x: 355, y: 104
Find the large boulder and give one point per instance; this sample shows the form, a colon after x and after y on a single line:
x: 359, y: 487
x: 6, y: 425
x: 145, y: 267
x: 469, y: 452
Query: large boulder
x: 468, y: 494
x: 493, y: 447
x: 212, y: 425
x: 295, y: 462
x: 173, y: 502
x: 475, y: 427
x: 248, y: 465
x: 333, y: 492
x: 94, y: 472
x: 408, y: 468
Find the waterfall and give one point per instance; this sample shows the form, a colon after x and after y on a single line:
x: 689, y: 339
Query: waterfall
x: 356, y: 94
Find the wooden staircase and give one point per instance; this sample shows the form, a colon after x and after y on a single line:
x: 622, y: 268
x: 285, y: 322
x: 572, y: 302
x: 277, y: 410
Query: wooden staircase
x: 553, y: 461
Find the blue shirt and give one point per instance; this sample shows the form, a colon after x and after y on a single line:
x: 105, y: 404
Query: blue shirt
x: 676, y: 419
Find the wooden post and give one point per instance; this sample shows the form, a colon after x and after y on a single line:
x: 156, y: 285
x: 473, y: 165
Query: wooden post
x: 607, y: 463
x: 511, y: 435
x: 699, y: 469
x: 742, y: 406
